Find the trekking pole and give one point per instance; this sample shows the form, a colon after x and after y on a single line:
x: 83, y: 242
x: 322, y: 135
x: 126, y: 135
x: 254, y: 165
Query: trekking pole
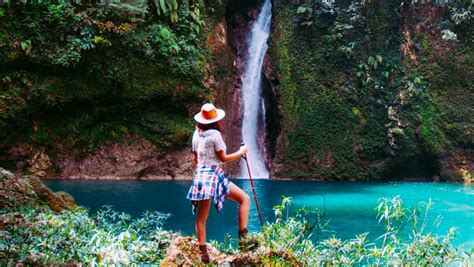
x: 253, y: 189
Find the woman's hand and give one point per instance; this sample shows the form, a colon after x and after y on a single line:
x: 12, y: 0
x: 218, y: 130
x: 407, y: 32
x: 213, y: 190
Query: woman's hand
x: 224, y: 157
x: 243, y: 150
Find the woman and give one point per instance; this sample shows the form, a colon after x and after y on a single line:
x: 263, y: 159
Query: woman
x: 209, y: 181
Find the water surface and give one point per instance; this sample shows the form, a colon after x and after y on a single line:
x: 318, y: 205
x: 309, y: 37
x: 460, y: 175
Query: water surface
x: 350, y: 207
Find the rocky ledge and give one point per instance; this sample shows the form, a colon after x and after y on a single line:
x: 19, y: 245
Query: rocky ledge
x: 130, y: 158
x: 184, y: 251
x: 28, y: 190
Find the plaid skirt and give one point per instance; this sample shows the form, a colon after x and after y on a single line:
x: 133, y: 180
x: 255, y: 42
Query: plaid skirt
x: 208, y: 183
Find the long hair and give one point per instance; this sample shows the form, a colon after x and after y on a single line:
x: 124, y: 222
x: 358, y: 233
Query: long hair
x: 216, y: 126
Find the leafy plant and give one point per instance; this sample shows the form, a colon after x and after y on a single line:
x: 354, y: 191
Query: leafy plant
x: 167, y: 7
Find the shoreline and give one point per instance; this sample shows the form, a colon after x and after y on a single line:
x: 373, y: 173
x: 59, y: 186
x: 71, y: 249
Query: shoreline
x: 186, y: 179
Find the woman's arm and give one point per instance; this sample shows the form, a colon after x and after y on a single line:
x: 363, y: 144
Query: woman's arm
x: 224, y: 157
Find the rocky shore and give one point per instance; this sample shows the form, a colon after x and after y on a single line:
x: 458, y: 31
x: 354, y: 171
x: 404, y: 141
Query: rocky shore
x: 28, y: 190
x: 130, y: 158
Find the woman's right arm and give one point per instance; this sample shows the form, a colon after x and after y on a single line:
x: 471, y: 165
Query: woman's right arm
x: 224, y: 157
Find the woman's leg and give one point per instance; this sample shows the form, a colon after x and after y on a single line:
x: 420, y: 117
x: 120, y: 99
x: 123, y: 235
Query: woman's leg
x: 203, y: 212
x: 236, y: 194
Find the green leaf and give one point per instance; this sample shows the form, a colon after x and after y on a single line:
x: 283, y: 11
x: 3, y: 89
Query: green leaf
x: 163, y: 6
x: 25, y: 45
x: 379, y: 58
x: 370, y: 60
x: 301, y: 9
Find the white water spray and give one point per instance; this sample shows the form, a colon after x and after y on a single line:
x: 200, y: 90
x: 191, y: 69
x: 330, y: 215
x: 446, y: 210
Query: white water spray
x: 251, y: 92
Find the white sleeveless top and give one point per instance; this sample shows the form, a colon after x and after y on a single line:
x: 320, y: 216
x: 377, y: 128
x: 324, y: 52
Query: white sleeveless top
x: 206, y: 144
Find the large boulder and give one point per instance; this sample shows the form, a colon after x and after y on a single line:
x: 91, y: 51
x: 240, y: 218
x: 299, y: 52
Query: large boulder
x: 18, y: 191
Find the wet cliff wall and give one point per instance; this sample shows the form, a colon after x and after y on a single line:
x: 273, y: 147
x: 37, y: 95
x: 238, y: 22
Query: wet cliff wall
x: 373, y: 89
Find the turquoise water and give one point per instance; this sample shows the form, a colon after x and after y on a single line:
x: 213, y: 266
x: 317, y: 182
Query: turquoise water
x: 350, y: 207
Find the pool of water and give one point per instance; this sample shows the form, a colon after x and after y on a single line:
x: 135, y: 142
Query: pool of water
x: 350, y: 207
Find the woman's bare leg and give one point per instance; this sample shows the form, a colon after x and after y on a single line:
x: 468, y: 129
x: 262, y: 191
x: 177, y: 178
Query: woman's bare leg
x: 203, y: 212
x: 236, y: 194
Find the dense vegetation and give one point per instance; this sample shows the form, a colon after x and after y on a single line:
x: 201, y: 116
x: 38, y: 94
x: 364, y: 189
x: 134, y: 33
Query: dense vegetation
x: 374, y: 89
x: 364, y: 89
x: 80, y: 74
x: 39, y: 236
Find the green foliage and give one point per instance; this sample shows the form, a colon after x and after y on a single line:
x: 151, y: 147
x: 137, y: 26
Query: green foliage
x: 40, y: 236
x: 334, y: 58
x: 419, y: 247
x: 167, y: 7
x: 406, y: 240
x: 85, y: 74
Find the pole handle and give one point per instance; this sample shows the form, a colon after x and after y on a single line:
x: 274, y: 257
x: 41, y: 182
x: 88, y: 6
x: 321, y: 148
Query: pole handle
x: 243, y: 144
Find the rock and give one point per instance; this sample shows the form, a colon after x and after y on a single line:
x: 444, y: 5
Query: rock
x: 184, y: 251
x: 56, y: 201
x: 15, y: 191
x: 40, y: 163
x: 130, y: 158
x: 4, y: 174
x: 30, y: 191
x: 35, y: 159
x: 458, y: 165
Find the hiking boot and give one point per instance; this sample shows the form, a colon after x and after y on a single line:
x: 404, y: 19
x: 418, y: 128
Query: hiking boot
x: 247, y: 243
x: 204, y: 255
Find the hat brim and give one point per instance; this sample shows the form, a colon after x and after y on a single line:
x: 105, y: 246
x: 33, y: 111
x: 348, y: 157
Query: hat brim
x: 200, y: 119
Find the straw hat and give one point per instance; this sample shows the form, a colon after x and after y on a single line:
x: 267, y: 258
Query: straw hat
x: 209, y: 114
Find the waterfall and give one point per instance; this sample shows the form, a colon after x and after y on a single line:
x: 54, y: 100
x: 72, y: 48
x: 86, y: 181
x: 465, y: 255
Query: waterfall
x: 251, y: 94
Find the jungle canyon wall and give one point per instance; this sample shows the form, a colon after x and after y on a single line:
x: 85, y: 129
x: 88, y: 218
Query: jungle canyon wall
x: 352, y: 91
x: 373, y: 90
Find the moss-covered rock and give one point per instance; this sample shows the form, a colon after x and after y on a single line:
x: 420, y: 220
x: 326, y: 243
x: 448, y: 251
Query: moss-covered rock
x: 18, y: 191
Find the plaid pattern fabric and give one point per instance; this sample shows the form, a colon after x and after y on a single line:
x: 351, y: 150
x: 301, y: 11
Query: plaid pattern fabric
x: 208, y: 183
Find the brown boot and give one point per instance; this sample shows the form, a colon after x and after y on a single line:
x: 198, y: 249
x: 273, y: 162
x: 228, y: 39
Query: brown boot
x: 246, y: 243
x: 204, y: 255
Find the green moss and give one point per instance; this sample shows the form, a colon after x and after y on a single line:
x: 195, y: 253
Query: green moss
x: 344, y: 88
x: 280, y: 50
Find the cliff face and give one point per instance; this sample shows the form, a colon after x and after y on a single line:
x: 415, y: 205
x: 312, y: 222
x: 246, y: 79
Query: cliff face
x: 97, y: 91
x: 352, y: 90
x: 374, y: 90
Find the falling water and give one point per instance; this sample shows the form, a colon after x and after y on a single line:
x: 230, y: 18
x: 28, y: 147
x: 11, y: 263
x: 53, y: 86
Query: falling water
x: 251, y: 93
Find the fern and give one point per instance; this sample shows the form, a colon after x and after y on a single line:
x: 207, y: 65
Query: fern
x: 167, y: 8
